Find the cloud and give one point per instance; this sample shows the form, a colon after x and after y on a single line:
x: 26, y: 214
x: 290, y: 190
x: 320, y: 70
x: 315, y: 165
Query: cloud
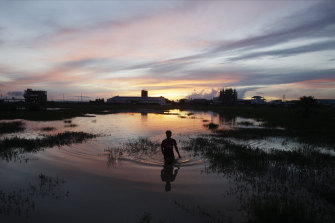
x: 322, y: 46
x: 241, y: 91
x: 261, y: 78
x: 204, y: 94
x: 315, y: 22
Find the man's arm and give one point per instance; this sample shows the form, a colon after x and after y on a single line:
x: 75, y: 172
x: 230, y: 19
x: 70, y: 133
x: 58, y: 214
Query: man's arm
x: 175, y: 145
x: 162, y: 146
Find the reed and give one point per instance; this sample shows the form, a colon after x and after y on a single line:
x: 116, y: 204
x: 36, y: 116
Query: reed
x: 12, y: 147
x: 11, y: 127
x: 285, y: 178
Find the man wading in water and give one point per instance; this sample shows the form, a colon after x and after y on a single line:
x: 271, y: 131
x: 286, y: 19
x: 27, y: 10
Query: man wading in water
x: 167, y: 148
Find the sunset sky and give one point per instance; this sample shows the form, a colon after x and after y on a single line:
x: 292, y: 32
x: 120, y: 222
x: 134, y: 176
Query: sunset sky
x: 171, y: 48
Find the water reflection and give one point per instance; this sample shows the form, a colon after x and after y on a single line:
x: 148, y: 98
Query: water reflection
x: 169, y: 174
x: 226, y: 119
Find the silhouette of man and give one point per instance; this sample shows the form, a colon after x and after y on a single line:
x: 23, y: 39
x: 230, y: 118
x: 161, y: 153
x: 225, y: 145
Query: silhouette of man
x: 167, y: 148
x: 168, y: 176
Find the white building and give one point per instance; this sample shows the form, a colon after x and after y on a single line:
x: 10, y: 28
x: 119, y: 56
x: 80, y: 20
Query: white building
x: 144, y: 99
x: 258, y: 100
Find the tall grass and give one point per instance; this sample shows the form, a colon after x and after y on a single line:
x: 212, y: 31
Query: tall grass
x: 276, y: 180
x: 11, y: 127
x: 140, y: 147
x: 12, y: 147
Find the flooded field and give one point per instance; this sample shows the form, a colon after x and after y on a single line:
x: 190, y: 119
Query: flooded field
x: 109, y: 168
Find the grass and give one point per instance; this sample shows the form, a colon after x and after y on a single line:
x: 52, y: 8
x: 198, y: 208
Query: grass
x: 70, y: 126
x: 12, y: 147
x: 138, y: 147
x: 245, y: 123
x: 11, y: 127
x: 22, y: 202
x: 275, y: 186
x: 146, y: 218
x: 211, y: 126
x: 312, y: 137
x: 48, y: 129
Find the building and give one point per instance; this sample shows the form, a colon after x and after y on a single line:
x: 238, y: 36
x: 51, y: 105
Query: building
x: 144, y: 94
x: 326, y: 102
x: 276, y: 102
x: 228, y: 96
x: 35, y: 97
x: 144, y: 99
x: 258, y: 100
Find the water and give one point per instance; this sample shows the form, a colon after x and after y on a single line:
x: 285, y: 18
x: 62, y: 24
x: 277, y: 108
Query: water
x: 99, y: 187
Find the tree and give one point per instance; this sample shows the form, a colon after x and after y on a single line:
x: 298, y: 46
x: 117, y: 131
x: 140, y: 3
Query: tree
x: 307, y: 102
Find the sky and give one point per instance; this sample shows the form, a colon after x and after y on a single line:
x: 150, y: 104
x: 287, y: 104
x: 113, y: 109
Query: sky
x: 174, y: 49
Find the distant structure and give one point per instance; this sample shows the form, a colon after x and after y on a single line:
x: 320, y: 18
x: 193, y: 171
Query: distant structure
x: 228, y: 96
x: 258, y: 100
x: 144, y: 93
x: 35, y: 97
x: 144, y: 99
x: 276, y: 102
x: 326, y: 102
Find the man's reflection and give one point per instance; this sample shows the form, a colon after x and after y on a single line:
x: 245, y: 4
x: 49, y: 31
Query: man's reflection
x: 168, y: 176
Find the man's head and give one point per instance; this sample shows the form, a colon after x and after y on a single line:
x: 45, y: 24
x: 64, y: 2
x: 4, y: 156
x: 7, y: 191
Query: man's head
x: 168, y: 134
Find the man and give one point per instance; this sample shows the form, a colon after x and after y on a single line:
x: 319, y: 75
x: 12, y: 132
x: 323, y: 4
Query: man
x: 167, y: 148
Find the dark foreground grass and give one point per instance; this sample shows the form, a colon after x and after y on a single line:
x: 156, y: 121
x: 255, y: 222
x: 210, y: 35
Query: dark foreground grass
x: 12, y: 147
x: 22, y: 202
x: 11, y: 127
x: 275, y: 186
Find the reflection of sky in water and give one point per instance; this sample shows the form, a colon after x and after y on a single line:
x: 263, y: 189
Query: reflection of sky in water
x: 124, y: 191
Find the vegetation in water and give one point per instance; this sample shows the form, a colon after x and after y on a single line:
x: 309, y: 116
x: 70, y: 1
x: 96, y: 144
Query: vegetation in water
x: 48, y: 129
x: 12, y: 147
x: 245, y: 123
x: 70, y: 126
x: 275, y: 182
x: 11, y: 127
x: 140, y: 147
x: 212, y: 126
x: 21, y: 202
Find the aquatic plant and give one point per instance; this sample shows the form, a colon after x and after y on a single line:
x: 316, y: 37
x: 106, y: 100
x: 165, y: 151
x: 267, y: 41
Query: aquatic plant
x: 285, y: 178
x: 246, y: 123
x: 48, y: 129
x: 211, y: 126
x: 141, y: 145
x: 11, y: 127
x: 146, y: 218
x: 21, y: 202
x: 12, y: 147
x: 70, y: 126
x: 138, y: 147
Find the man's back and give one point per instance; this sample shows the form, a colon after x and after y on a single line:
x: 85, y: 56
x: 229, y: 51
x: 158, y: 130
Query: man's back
x: 167, y: 147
